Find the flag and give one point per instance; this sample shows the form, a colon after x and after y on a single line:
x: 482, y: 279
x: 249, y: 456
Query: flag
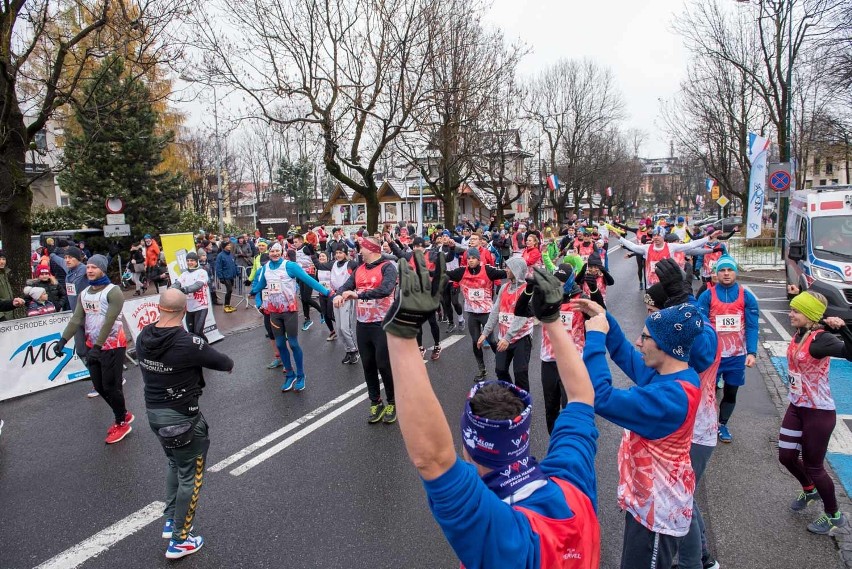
x: 709, y: 184
x: 758, y: 151
x: 609, y: 192
x: 552, y: 182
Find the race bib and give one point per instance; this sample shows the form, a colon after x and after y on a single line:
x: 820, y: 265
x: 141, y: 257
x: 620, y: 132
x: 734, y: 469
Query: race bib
x: 795, y: 383
x: 91, y: 306
x: 326, y: 284
x: 729, y: 323
x: 70, y: 289
x: 653, y: 265
x: 273, y: 287
x: 505, y: 318
x: 476, y: 294
x: 567, y: 318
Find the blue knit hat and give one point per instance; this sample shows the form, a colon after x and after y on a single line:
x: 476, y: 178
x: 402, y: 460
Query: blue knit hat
x: 726, y: 262
x: 675, y: 328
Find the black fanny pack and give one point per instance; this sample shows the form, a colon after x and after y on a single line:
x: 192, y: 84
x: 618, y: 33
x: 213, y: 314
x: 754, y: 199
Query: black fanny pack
x: 179, y: 435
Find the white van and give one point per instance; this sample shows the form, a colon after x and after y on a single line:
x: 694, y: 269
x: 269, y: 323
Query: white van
x: 819, y: 245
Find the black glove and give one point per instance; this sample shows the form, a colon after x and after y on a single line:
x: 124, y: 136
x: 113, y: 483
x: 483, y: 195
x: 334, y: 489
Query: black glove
x: 591, y: 279
x: 59, y: 346
x: 546, y: 296
x: 671, y: 277
x: 94, y: 354
x: 417, y: 296
x: 522, y: 306
x: 247, y: 282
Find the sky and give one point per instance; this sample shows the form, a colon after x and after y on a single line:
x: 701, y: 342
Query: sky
x: 634, y: 38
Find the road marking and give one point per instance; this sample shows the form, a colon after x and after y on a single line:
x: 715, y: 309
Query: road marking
x: 236, y: 457
x: 776, y: 348
x: 272, y: 451
x: 841, y: 438
x: 100, y: 542
x: 777, y: 325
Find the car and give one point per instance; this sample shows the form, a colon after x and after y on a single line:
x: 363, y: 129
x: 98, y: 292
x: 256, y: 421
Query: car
x: 705, y: 220
x: 726, y: 224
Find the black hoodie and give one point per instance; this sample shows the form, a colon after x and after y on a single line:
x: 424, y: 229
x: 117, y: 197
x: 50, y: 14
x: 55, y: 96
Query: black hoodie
x: 171, y: 360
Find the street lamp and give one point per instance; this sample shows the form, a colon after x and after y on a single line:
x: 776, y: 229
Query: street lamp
x: 219, y: 199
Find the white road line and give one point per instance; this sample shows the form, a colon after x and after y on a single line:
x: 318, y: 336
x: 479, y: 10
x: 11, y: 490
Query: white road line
x: 775, y: 324
x: 776, y: 348
x: 100, y: 542
x: 272, y: 451
x: 236, y: 457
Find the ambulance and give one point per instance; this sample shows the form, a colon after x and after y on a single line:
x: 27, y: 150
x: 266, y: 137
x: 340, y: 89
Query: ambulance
x: 819, y: 245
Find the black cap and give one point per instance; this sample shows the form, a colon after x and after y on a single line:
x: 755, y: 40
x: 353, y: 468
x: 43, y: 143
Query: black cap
x: 655, y: 296
x: 595, y: 260
x: 192, y: 255
x: 563, y: 272
x: 418, y: 242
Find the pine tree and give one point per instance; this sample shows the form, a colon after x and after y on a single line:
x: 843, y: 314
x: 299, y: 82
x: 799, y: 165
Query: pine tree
x: 117, y: 152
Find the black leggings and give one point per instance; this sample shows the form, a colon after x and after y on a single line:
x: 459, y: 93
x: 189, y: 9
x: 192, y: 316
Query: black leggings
x: 373, y: 346
x: 106, y: 373
x: 327, y: 311
x: 307, y: 301
x: 517, y: 355
x: 450, y: 301
x: 229, y: 289
x: 808, y: 430
x: 555, y: 398
x: 433, y: 328
x: 640, y: 269
x: 729, y: 401
x: 475, y: 323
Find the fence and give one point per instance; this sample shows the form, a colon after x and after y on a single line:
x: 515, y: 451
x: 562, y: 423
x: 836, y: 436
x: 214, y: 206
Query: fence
x: 240, y: 290
x: 760, y: 253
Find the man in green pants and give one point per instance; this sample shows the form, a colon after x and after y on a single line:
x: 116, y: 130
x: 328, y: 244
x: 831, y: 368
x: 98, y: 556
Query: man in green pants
x: 171, y: 360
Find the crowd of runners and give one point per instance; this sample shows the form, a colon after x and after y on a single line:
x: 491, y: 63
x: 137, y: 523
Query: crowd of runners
x: 497, y: 505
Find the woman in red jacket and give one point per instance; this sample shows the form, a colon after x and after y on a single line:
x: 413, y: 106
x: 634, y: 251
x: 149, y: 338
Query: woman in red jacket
x: 532, y: 253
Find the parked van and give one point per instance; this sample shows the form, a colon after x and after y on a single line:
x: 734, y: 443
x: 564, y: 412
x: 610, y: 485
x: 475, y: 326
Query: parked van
x: 819, y: 245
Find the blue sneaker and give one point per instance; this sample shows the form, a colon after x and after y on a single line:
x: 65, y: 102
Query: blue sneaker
x: 274, y: 363
x: 725, y: 434
x: 300, y: 383
x: 289, y: 380
x: 190, y: 545
x: 322, y: 319
x: 169, y: 528
x: 306, y: 325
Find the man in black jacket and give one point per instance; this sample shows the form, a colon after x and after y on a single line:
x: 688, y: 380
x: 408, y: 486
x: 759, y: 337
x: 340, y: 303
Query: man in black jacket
x: 172, y: 360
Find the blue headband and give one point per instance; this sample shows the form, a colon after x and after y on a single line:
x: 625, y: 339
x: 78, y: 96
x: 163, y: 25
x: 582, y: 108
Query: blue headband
x: 496, y: 443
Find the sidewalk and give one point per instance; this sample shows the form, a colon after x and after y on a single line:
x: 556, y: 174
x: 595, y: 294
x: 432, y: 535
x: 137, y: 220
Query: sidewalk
x: 766, y: 275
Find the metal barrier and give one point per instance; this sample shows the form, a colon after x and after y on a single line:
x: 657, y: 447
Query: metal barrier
x: 759, y: 253
x: 240, y: 291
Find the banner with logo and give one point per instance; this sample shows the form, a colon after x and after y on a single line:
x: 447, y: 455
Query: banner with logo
x: 758, y: 152
x: 139, y: 312
x: 27, y: 361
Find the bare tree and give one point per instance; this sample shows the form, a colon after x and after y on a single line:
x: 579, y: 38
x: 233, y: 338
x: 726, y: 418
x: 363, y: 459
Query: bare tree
x: 351, y: 68
x: 570, y: 103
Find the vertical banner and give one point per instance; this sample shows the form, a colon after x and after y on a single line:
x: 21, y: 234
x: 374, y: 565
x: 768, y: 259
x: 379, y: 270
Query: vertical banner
x: 27, y: 361
x: 758, y: 152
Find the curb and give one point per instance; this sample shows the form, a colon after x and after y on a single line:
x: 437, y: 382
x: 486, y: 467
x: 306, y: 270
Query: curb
x: 778, y: 393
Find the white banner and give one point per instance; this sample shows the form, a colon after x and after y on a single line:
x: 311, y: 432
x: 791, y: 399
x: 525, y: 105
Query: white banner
x: 27, y: 361
x: 139, y: 312
x: 758, y: 151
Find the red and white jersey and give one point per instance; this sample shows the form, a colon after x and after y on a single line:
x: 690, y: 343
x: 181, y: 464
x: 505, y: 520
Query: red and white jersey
x: 373, y: 310
x: 304, y: 261
x: 95, y: 307
x: 706, y: 428
x: 708, y: 265
x: 508, y: 300
x: 680, y: 258
x: 728, y: 319
x: 653, y: 257
x: 338, y: 275
x: 585, y: 251
x: 656, y: 481
x: 600, y: 285
x: 477, y: 291
x: 573, y: 323
x: 281, y: 290
x: 809, y: 386
x: 197, y: 300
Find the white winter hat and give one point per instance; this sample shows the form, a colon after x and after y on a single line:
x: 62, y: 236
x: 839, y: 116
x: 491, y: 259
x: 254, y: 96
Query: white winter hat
x: 34, y: 292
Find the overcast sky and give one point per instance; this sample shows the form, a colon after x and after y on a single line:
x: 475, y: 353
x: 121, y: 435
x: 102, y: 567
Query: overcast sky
x: 634, y: 38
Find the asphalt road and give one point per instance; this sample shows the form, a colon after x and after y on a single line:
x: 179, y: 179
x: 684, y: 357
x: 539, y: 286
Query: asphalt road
x: 326, y: 489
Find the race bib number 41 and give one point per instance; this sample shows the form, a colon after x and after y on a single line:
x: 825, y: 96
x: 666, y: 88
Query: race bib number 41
x: 729, y: 323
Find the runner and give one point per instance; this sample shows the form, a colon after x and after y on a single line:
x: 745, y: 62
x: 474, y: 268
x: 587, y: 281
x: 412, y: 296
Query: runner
x: 324, y: 278
x: 594, y: 279
x: 371, y: 287
x: 193, y: 283
x: 656, y: 480
x: 811, y: 415
x: 476, y: 282
x: 171, y: 361
x: 278, y: 288
x: 344, y: 316
x: 505, y: 509
x: 513, y: 333
x: 98, y: 313
x: 431, y: 256
x: 304, y: 253
x: 574, y: 323
x: 734, y: 314
x: 658, y: 250
x: 643, y: 237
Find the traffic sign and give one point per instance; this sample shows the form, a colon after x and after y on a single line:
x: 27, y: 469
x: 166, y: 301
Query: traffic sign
x: 714, y: 191
x: 723, y: 201
x: 114, y: 205
x: 121, y: 230
x: 779, y: 180
x: 115, y: 219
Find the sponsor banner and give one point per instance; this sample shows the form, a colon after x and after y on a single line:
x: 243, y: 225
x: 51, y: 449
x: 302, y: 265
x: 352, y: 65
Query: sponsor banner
x: 758, y: 151
x: 139, y: 312
x: 27, y: 361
